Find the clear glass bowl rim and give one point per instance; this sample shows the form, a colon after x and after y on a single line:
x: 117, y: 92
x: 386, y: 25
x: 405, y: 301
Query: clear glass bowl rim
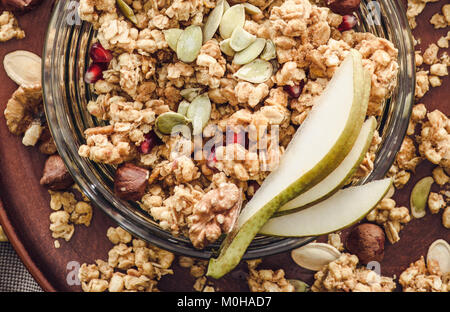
x: 56, y: 94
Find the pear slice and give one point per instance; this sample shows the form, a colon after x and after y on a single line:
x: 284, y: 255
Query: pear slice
x: 320, y: 144
x: 337, y: 179
x: 341, y: 210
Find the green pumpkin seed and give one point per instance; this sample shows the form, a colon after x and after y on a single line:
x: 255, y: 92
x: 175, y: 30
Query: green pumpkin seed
x: 189, y: 44
x: 183, y: 107
x: 232, y: 18
x: 241, y: 39
x: 167, y: 121
x: 258, y: 71
x: 250, y: 53
x: 127, y: 11
x: 190, y: 94
x: 251, y: 9
x: 199, y: 112
x: 172, y: 35
x: 269, y: 52
x: 226, y: 48
x: 419, y: 197
x: 213, y: 21
x: 299, y: 285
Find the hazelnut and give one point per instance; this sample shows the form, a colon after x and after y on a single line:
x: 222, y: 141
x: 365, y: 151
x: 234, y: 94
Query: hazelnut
x: 55, y: 175
x: 343, y: 7
x: 20, y: 5
x: 367, y: 242
x: 130, y: 182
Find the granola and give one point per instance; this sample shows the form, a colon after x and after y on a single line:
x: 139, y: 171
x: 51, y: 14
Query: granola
x: 420, y: 278
x: 343, y: 275
x: 267, y: 280
x: 391, y: 217
x: 9, y: 28
x: 145, y: 79
x: 68, y: 211
x: 132, y: 265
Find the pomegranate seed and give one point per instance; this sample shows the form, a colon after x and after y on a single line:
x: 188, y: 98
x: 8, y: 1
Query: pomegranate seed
x: 211, y: 158
x: 94, y: 73
x: 99, y: 54
x: 151, y: 140
x: 294, y: 91
x: 348, y: 22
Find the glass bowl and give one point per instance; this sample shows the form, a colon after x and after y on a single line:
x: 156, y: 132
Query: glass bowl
x: 65, y: 59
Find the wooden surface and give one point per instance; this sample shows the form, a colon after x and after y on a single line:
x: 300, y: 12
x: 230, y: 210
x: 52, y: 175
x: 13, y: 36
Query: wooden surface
x: 25, y: 211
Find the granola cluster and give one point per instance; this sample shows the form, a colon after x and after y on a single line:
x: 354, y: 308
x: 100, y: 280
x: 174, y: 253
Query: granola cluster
x: 343, y: 275
x: 391, y: 217
x: 68, y: 211
x: 132, y: 265
x: 9, y: 28
x: 419, y: 277
x: 267, y: 280
x: 145, y: 79
x: 431, y: 66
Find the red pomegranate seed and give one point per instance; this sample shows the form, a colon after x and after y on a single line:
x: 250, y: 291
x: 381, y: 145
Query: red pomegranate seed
x: 94, y: 73
x: 294, y: 91
x: 348, y: 22
x: 151, y: 140
x: 211, y: 158
x: 99, y: 54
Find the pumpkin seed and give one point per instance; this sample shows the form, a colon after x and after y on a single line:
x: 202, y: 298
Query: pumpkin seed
x: 226, y: 48
x: 183, y: 107
x: 167, y: 121
x: 299, y: 285
x: 419, y: 197
x: 172, y: 35
x: 269, y: 52
x: 439, y: 252
x: 127, y: 11
x: 232, y: 18
x: 23, y: 67
x: 199, y: 112
x: 251, y: 9
x: 226, y: 6
x: 241, y: 39
x: 258, y: 71
x: 190, y: 94
x: 250, y: 53
x: 315, y: 256
x: 189, y: 44
x: 213, y: 21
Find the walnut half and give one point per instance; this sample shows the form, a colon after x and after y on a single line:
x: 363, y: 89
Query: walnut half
x: 214, y: 214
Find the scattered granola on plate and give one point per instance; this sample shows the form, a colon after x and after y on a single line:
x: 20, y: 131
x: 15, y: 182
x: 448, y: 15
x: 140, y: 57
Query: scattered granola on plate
x: 132, y: 265
x: 9, y: 27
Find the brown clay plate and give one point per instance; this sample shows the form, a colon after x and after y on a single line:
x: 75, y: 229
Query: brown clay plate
x: 25, y: 210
